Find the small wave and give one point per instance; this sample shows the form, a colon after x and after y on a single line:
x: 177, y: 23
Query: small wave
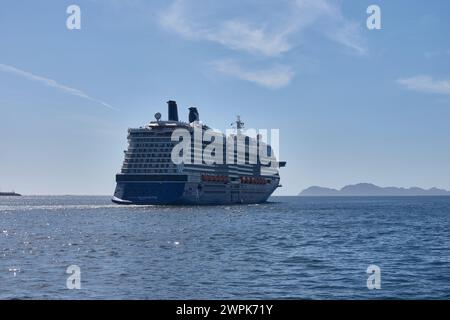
x: 55, y: 207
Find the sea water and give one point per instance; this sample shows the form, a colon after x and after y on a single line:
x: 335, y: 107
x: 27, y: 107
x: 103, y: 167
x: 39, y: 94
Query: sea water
x: 288, y: 248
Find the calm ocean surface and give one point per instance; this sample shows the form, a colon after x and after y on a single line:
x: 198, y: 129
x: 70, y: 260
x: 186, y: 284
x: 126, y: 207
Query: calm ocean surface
x: 302, y: 248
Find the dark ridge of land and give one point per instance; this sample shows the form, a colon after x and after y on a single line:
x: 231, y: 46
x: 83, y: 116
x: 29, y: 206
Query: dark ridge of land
x: 9, y: 194
x: 368, y: 189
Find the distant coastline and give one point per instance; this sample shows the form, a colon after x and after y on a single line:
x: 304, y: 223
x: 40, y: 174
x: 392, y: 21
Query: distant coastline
x: 371, y: 190
x: 10, y: 194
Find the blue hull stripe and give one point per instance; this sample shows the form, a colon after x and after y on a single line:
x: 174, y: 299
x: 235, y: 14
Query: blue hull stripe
x: 150, y: 192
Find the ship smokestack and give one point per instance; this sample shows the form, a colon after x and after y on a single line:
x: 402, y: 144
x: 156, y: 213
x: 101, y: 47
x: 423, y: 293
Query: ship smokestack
x: 193, y: 115
x: 173, y: 110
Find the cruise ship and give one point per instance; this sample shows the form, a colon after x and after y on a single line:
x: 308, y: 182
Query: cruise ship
x: 150, y: 176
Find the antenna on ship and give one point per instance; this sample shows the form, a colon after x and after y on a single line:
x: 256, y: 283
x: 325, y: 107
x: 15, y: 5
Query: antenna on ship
x: 238, y: 124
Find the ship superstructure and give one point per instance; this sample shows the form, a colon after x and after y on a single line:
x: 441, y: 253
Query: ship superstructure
x: 150, y: 174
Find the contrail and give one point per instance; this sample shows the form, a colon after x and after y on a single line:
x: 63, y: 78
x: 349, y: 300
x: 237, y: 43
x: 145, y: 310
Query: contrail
x: 53, y: 84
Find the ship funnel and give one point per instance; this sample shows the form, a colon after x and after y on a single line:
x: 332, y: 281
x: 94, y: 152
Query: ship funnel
x: 193, y: 115
x: 173, y: 110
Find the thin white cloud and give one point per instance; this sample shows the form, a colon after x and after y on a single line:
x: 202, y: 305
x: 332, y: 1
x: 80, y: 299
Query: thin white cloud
x: 348, y: 35
x: 173, y: 18
x: 435, y: 54
x: 264, y: 29
x: 425, y: 83
x: 52, y: 83
x: 327, y: 17
x: 233, y: 34
x: 242, y: 36
x: 272, y: 78
x: 267, y: 38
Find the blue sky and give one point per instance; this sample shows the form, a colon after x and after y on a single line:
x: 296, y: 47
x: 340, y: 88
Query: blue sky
x: 352, y: 105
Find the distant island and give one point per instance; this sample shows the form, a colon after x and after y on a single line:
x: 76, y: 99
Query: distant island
x: 9, y: 194
x: 368, y: 189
